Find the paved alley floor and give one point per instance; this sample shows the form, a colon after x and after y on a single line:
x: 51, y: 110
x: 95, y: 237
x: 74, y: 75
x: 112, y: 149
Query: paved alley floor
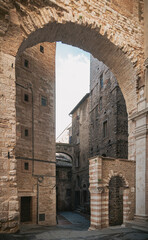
x: 72, y: 226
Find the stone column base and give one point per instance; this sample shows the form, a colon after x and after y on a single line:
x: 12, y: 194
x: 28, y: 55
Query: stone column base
x: 141, y: 218
x: 94, y: 227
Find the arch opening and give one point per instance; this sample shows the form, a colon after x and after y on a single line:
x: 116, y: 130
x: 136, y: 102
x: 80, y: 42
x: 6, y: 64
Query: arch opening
x: 116, y: 187
x: 91, y: 41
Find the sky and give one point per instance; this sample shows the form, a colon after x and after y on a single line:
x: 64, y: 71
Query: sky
x: 72, y: 81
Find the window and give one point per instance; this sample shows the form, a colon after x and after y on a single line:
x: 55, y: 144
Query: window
x: 26, y: 63
x: 78, y: 181
x: 105, y: 129
x: 43, y: 101
x: 26, y: 133
x: 41, y: 49
x: 101, y: 81
x: 78, y: 160
x: 26, y: 166
x: 26, y: 97
x: 68, y: 192
x: 70, y: 139
x: 100, y: 103
x: 69, y: 175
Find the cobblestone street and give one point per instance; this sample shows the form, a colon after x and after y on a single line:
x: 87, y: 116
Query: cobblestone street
x: 74, y: 226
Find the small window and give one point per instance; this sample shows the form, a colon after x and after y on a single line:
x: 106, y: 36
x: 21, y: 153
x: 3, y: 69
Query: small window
x: 70, y: 139
x: 101, y: 81
x: 26, y: 166
x: 26, y: 133
x: 77, y: 161
x: 105, y: 129
x: 68, y: 192
x: 44, y: 101
x: 26, y: 97
x: 100, y: 103
x: 41, y: 49
x: 78, y: 181
x: 69, y: 175
x: 57, y: 174
x: 26, y: 63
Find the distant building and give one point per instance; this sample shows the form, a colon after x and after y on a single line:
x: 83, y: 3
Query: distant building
x: 65, y: 136
x: 80, y: 141
x: 63, y: 182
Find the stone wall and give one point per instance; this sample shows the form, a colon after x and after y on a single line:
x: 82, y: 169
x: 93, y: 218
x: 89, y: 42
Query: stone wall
x: 35, y: 147
x: 111, y: 31
x: 64, y: 188
x: 101, y: 172
x: 107, y: 106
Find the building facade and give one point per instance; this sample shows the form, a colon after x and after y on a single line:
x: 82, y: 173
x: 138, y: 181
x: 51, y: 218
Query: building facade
x: 108, y: 115
x: 80, y: 141
x: 63, y: 182
x: 35, y: 145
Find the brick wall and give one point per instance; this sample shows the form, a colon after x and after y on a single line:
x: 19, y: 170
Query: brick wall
x: 101, y: 173
x: 35, y: 146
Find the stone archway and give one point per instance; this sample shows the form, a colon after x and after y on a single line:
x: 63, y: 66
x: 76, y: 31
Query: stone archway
x: 96, y: 26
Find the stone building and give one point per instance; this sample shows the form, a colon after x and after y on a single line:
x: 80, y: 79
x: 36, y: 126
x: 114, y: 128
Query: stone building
x: 63, y: 182
x: 108, y: 115
x: 80, y: 141
x: 65, y: 136
x: 112, y: 191
x: 35, y: 84
x: 99, y: 127
x: 115, y: 32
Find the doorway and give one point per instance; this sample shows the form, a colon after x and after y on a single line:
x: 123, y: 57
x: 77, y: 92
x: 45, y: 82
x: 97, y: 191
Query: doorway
x: 116, y: 201
x: 77, y: 199
x: 26, y: 203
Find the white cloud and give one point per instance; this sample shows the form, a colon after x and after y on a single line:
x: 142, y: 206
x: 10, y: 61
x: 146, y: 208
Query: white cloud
x: 72, y: 83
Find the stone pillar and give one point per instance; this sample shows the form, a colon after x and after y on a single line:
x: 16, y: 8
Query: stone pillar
x: 98, y: 195
x: 9, y: 215
x: 105, y: 208
x: 126, y: 206
x: 146, y: 44
x: 141, y: 137
x: 96, y: 208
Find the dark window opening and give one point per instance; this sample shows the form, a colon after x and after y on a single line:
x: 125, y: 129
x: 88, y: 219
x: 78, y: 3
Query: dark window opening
x: 26, y: 97
x: 100, y: 103
x: 68, y: 192
x: 70, y: 139
x: 57, y: 173
x: 103, y: 155
x: 26, y: 133
x: 78, y: 181
x: 26, y: 166
x: 44, y: 101
x: 26, y: 63
x: 101, y: 81
x: 69, y: 175
x: 41, y: 49
x: 105, y: 129
x: 84, y: 196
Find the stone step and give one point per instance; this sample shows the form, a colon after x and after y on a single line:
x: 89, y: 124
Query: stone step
x: 140, y: 225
